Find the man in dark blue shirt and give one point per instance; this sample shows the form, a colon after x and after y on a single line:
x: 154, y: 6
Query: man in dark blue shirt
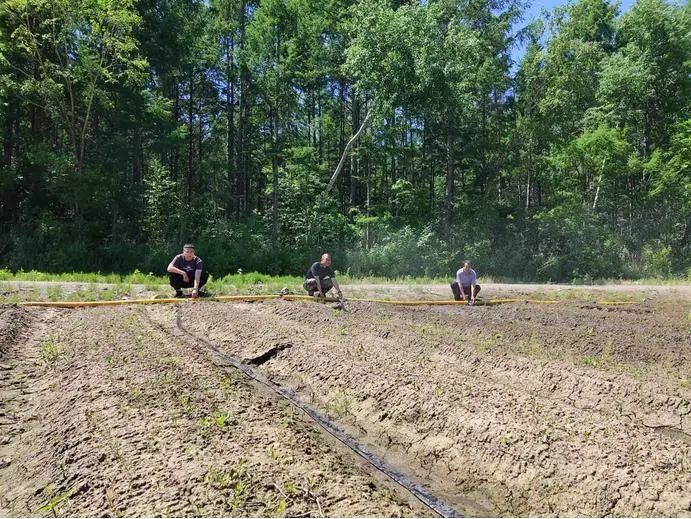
x: 187, y: 271
x: 320, y: 278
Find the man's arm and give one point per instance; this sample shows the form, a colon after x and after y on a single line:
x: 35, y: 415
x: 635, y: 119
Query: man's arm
x: 338, y: 289
x: 197, y: 281
x: 174, y: 270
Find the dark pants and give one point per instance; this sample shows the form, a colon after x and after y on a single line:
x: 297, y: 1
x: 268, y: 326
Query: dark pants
x: 311, y: 285
x: 466, y: 290
x: 178, y: 283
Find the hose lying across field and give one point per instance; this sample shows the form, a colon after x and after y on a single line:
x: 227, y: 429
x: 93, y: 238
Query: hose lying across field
x: 432, y: 502
x: 289, y: 297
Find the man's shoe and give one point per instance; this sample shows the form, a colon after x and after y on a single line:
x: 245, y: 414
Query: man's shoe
x: 179, y: 294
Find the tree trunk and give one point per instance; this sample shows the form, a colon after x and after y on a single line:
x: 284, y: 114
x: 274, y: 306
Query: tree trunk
x: 599, y: 182
x: 242, y: 174
x: 319, y: 118
x: 8, y: 143
x: 354, y: 138
x: 449, y: 195
x: 341, y: 124
x: 176, y: 118
x: 230, y: 126
x: 274, y: 168
x: 190, y: 141
x: 200, y: 142
x: 353, y: 174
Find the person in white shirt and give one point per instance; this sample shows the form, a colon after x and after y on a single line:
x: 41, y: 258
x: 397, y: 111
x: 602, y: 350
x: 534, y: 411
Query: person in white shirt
x: 465, y: 286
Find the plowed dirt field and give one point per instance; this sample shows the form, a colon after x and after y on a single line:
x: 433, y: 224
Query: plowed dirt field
x: 518, y: 409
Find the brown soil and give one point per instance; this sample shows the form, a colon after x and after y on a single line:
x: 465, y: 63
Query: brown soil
x: 519, y: 409
x: 14, y: 325
x: 104, y: 413
x: 568, y: 409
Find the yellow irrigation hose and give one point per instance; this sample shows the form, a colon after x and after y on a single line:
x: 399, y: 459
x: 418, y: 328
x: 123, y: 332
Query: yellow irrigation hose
x: 290, y: 297
x: 77, y: 304
x: 243, y: 298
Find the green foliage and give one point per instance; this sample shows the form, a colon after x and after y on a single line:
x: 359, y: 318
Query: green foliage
x: 55, y: 499
x: 129, y: 128
x: 161, y: 214
x: 51, y: 350
x: 219, y: 420
x: 576, y: 244
x: 657, y: 259
x: 405, y: 252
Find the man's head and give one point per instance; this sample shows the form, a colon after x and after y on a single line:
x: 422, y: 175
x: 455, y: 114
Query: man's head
x: 188, y: 251
x: 326, y: 259
x: 467, y: 266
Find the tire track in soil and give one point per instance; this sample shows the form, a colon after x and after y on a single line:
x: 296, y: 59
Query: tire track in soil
x: 14, y: 325
x: 533, y: 431
x: 22, y: 331
x: 127, y: 421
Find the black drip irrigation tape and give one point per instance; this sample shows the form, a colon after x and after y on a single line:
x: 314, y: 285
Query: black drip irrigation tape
x: 433, y: 503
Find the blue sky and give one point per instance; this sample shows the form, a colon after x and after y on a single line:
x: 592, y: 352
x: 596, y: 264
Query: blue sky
x: 536, y: 7
x: 534, y: 10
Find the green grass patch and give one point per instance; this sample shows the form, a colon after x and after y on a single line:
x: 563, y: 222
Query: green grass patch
x: 51, y: 350
x: 219, y: 419
x: 603, y: 360
x: 54, y: 293
x: 237, y: 280
x: 242, y: 279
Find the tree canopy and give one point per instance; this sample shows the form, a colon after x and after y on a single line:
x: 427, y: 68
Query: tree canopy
x: 128, y: 128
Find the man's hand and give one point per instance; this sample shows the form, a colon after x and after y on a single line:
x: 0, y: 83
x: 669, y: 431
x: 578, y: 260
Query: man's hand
x: 185, y: 277
x: 195, y: 293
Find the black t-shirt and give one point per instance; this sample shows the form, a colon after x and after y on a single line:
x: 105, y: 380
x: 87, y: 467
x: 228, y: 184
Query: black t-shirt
x: 320, y: 271
x: 188, y: 266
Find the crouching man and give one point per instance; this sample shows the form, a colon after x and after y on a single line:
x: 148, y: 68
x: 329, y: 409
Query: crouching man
x: 465, y: 286
x: 320, y: 278
x: 187, y: 271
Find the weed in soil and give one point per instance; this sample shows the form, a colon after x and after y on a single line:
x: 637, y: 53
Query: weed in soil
x: 51, y: 350
x: 55, y: 500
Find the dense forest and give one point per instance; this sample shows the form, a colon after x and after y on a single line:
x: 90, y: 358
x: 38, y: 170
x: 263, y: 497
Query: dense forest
x: 131, y: 126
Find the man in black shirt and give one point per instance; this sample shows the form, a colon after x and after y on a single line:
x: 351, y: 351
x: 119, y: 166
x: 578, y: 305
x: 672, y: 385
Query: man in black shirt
x: 187, y: 271
x: 320, y: 278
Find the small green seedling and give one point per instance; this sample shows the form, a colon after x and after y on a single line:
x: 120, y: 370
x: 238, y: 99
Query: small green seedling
x: 50, y: 351
x: 280, y: 509
x: 54, y: 502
